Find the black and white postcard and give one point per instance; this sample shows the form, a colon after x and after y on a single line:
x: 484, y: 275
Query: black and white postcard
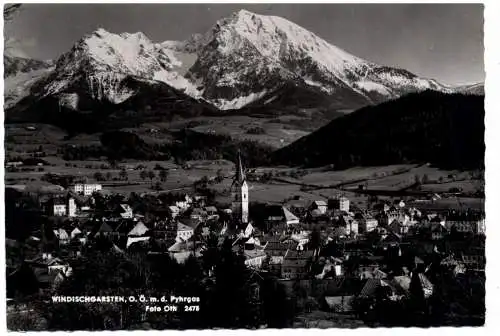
x: 244, y: 166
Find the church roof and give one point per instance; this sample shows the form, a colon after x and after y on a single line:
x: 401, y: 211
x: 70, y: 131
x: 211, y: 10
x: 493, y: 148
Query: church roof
x: 290, y: 217
x: 240, y: 171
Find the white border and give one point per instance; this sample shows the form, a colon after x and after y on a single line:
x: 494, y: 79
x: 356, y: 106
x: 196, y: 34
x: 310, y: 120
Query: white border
x: 492, y: 137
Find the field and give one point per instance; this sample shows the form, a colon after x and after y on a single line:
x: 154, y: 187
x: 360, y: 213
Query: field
x: 286, y: 184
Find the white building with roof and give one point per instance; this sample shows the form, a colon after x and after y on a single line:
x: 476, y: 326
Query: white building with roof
x: 86, y: 189
x: 184, y: 232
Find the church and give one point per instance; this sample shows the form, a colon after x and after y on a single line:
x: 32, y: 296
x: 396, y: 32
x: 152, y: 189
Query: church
x: 239, y: 194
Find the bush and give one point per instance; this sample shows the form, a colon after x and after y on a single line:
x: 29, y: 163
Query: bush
x: 256, y: 130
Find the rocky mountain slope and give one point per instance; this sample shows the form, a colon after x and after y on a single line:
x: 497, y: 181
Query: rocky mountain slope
x: 245, y: 60
x: 474, y: 89
x: 20, y: 74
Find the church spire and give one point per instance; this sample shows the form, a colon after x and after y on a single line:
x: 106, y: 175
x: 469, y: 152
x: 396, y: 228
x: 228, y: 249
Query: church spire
x: 240, y: 172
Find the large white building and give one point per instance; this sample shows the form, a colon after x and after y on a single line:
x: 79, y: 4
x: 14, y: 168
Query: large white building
x: 86, y: 189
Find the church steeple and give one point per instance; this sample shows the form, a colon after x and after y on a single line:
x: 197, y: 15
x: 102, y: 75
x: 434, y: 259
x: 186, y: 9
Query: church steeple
x: 240, y: 172
x: 239, y: 191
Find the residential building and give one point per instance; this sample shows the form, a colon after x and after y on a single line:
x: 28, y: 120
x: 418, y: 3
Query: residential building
x: 184, y: 232
x: 86, y: 189
x: 319, y: 206
x: 62, y: 236
x: 59, y: 208
x: 72, y: 208
x: 340, y: 203
x: 126, y: 211
x: 279, y: 218
x: 173, y: 211
x: 211, y: 212
x: 254, y: 258
x: 367, y: 223
x: 138, y: 230
x: 295, y: 268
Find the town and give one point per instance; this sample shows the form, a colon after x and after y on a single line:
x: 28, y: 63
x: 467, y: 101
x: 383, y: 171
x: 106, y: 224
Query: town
x: 395, y: 262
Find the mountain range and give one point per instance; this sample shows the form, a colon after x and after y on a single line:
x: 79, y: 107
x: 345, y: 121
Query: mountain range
x: 245, y: 61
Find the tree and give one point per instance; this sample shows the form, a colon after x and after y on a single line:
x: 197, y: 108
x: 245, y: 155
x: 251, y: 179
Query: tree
x: 151, y: 175
x: 98, y: 176
x: 315, y: 241
x: 123, y: 175
x: 143, y: 174
x: 425, y: 179
x: 220, y: 176
x: 163, y: 175
x: 109, y: 176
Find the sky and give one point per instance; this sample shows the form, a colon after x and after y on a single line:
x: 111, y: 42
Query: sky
x: 440, y: 41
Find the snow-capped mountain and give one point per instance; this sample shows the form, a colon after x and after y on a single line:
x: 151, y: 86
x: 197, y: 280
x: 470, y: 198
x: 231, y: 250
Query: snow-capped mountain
x: 251, y: 55
x: 474, y: 89
x: 245, y: 59
x: 20, y: 74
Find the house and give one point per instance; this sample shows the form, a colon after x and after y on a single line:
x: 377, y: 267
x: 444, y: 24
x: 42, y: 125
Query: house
x: 138, y: 230
x: 438, y: 231
x: 397, y: 227
x: 184, y: 203
x: 184, y: 232
x: 254, y: 258
x: 375, y: 287
x: 295, y: 268
x: 466, y: 226
x: 104, y: 230
x: 297, y: 206
x: 126, y: 211
x: 277, y: 250
x: 371, y: 272
x: 299, y: 254
x: 302, y: 238
x: 137, y: 240
x: 339, y: 304
x: 76, y: 233
x: 62, y: 236
x: 350, y: 224
x: 474, y: 258
x: 198, y: 214
x: 86, y: 189
x: 72, y: 208
x: 248, y: 231
x: 340, y: 203
x: 331, y: 269
x: 211, y: 212
x: 391, y: 239
x: 319, y: 206
x: 367, y: 223
x: 403, y: 284
x: 279, y: 217
x: 49, y: 270
x: 59, y: 207
x: 173, y: 211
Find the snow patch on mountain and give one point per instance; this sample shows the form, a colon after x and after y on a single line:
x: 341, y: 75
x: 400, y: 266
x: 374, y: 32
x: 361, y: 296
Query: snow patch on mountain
x: 239, y: 102
x: 370, y: 86
x: 321, y: 86
x: 19, y: 86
